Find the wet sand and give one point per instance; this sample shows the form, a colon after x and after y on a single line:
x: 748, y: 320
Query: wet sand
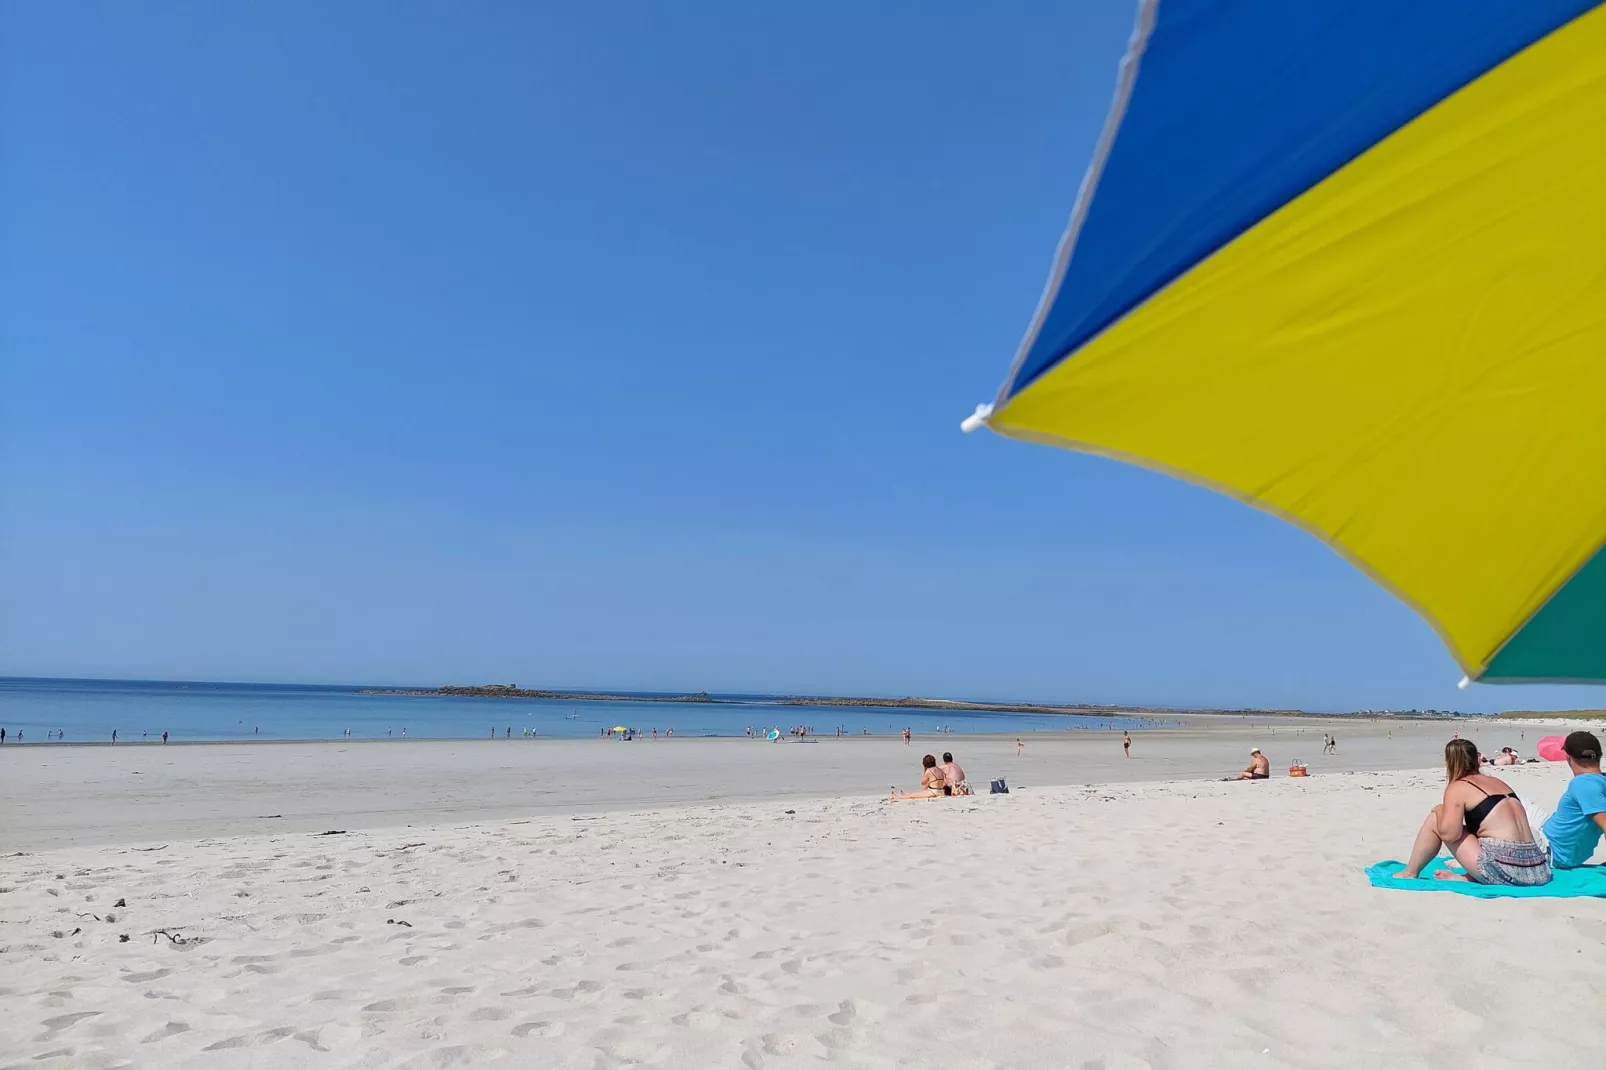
x: 58, y: 796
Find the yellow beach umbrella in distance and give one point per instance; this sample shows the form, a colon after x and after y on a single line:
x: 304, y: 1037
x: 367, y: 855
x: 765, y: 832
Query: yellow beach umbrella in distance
x: 1345, y: 260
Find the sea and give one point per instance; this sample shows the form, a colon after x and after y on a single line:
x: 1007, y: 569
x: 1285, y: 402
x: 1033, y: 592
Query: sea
x: 89, y: 711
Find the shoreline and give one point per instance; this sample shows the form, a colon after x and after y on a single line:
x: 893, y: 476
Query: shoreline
x: 1191, y: 721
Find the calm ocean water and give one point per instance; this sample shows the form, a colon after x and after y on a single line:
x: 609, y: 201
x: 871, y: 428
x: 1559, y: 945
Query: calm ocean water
x: 88, y: 711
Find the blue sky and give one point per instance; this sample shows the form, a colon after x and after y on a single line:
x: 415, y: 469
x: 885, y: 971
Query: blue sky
x: 597, y: 345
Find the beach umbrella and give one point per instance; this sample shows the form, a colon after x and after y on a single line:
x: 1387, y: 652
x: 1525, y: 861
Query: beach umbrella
x: 1345, y: 260
x: 1550, y: 749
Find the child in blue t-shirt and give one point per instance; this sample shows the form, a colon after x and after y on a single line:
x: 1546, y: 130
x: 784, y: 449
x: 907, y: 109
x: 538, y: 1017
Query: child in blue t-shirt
x: 1575, y: 828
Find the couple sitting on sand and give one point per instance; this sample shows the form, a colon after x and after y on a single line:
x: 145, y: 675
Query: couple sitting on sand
x: 937, y: 781
x: 1488, y: 829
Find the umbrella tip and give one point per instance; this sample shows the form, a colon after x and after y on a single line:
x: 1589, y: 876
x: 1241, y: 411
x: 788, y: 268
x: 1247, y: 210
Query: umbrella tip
x: 976, y: 419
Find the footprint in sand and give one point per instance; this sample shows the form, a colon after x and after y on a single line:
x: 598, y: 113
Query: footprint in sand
x: 231, y: 1042
x: 698, y: 1019
x: 779, y: 1044
x: 583, y: 992
x: 171, y: 1029
x: 538, y: 1029
x: 528, y: 990
x: 1081, y: 934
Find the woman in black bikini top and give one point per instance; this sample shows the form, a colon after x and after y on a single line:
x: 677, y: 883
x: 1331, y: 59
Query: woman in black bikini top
x: 1494, y: 846
x: 1473, y: 815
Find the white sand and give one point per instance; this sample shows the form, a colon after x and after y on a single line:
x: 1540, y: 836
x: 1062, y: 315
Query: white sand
x: 1184, y: 924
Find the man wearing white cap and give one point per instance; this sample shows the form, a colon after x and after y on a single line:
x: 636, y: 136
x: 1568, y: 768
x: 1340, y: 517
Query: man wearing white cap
x: 1259, y: 766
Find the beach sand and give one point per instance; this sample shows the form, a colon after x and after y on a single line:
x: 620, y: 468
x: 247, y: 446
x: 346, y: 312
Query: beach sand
x: 61, y: 795
x: 1179, y: 923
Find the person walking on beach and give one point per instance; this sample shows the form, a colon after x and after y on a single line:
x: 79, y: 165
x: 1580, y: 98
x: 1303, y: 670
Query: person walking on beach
x: 1126, y: 743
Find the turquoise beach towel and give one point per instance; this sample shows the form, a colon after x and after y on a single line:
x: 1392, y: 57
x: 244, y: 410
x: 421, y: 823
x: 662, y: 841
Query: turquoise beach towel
x: 1565, y: 884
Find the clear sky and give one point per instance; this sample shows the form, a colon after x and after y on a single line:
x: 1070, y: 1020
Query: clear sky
x: 612, y: 345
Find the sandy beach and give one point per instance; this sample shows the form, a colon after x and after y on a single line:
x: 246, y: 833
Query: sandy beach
x: 608, y: 904
x: 59, y: 796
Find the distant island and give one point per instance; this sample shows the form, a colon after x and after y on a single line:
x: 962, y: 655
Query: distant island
x: 514, y: 691
x: 1569, y: 715
x: 907, y: 703
x: 704, y: 698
